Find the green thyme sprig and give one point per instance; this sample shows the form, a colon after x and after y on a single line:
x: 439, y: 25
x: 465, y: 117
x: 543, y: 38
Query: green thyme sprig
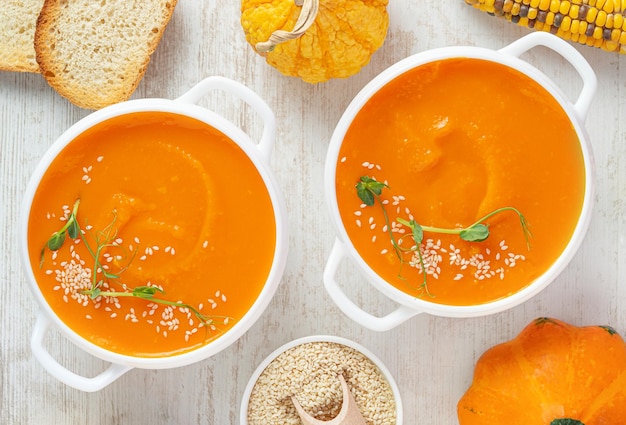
x: 369, y: 191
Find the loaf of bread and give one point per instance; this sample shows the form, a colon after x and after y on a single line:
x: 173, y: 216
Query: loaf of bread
x: 18, y: 19
x: 95, y: 52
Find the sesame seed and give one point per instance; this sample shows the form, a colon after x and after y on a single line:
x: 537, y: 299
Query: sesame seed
x: 100, y: 158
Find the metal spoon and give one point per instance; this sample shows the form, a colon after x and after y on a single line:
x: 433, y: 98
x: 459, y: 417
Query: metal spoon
x: 348, y: 415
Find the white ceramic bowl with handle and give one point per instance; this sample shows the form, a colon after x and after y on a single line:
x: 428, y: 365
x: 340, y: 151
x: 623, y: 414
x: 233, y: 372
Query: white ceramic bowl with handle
x: 343, y: 249
x: 259, y: 153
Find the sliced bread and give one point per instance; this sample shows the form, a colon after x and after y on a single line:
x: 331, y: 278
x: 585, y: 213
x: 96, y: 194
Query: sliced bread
x: 18, y: 19
x: 95, y: 52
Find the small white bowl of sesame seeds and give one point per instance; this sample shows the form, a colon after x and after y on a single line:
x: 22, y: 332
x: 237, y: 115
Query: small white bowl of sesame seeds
x: 454, y: 202
x: 134, y: 265
x: 307, y: 369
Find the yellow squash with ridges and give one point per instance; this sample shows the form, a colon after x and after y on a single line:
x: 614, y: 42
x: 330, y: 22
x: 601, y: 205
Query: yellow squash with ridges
x: 315, y: 40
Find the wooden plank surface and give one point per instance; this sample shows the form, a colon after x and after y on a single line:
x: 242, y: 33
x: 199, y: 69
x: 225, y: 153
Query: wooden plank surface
x: 431, y: 357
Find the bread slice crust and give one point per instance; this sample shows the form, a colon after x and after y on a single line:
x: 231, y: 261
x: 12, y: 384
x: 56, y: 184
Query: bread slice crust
x: 18, y: 19
x: 95, y: 52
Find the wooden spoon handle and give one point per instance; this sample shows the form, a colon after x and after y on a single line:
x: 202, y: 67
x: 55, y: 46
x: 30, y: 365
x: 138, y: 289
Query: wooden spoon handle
x: 348, y: 415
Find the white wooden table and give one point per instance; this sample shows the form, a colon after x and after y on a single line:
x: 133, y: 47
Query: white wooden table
x: 432, y: 358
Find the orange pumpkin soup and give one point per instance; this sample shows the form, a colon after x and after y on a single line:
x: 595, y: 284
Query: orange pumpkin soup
x: 454, y: 140
x: 170, y: 255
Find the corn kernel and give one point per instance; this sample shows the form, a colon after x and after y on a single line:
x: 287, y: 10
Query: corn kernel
x: 591, y: 14
x: 589, y: 30
x: 615, y: 33
x: 601, y: 18
x: 508, y: 5
x: 622, y: 38
x: 554, y: 6
x: 516, y: 9
x: 609, y: 21
x: 618, y: 20
x: 566, y: 23
x: 532, y: 13
x: 574, y: 26
x: 582, y: 28
x: 597, y: 33
x: 564, y: 7
x: 573, y: 11
x: 534, y: 3
x: 610, y: 46
x: 600, y: 4
x: 592, y: 3
x: 544, y: 4
x: 550, y: 18
x: 608, y: 6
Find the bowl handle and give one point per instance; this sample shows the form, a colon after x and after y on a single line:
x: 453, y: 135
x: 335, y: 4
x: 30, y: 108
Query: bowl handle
x: 562, y: 47
x: 197, y: 92
x: 64, y: 375
x: 349, y: 308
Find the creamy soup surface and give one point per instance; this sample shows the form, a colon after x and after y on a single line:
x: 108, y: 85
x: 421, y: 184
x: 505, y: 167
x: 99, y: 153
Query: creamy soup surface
x: 454, y: 140
x: 178, y: 234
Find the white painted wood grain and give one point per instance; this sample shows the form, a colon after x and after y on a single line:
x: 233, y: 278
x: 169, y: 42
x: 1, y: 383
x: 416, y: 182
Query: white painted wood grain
x: 432, y: 358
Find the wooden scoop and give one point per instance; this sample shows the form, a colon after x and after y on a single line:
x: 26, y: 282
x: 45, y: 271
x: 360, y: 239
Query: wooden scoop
x: 348, y: 415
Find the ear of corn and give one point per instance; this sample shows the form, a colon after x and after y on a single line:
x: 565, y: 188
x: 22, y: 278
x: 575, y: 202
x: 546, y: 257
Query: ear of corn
x: 599, y: 23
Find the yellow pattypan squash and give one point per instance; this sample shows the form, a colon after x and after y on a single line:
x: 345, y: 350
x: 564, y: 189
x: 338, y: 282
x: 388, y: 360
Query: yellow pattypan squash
x: 315, y: 40
x: 552, y: 373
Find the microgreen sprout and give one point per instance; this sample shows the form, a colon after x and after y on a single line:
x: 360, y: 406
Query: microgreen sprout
x: 369, y: 191
x: 70, y: 228
x: 105, y: 239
